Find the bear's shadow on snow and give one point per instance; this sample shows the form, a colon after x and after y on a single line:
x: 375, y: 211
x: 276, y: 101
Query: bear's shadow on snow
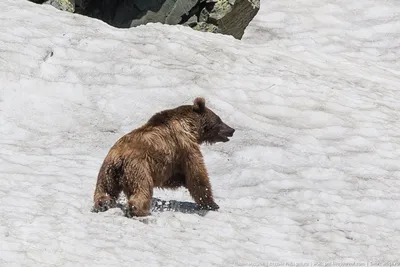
x: 159, y: 205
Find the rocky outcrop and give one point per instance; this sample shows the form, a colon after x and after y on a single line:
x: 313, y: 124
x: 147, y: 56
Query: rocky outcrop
x: 219, y: 16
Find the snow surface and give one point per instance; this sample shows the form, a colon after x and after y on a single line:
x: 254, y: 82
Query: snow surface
x: 311, y: 174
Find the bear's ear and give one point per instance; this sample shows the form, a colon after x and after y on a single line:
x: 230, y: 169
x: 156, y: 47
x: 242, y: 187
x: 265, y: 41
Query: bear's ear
x: 199, y: 104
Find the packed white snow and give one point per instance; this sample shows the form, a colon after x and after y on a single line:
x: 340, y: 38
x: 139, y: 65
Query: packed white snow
x: 311, y: 174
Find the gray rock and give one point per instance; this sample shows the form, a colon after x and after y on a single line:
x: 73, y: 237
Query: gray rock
x: 233, y: 16
x: 66, y: 5
x: 192, y: 21
x: 180, y: 8
x: 206, y: 27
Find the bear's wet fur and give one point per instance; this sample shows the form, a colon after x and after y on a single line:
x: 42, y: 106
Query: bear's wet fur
x: 163, y: 153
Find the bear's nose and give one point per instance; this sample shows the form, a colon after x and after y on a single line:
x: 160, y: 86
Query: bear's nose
x: 229, y: 130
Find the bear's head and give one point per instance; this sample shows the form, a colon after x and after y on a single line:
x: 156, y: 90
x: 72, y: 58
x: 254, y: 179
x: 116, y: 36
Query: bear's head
x: 212, y: 128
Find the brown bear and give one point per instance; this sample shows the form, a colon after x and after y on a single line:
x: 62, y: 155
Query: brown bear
x: 163, y: 153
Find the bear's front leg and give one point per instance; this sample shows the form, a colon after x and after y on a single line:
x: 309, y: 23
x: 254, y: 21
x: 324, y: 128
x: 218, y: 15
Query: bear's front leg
x: 197, y: 181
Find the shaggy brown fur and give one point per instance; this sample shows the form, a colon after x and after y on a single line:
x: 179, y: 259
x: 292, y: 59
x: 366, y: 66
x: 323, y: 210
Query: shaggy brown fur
x: 164, y: 153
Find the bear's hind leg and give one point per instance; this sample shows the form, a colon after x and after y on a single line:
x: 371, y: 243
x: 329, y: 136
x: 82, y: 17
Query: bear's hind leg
x: 138, y: 205
x: 107, y: 189
x: 139, y: 193
x: 105, y: 202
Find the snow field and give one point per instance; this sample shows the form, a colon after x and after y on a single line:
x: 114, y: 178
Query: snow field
x: 312, y: 172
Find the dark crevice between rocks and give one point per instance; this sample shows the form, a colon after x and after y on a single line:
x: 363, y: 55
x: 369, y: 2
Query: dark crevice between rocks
x: 219, y: 16
x: 198, y: 10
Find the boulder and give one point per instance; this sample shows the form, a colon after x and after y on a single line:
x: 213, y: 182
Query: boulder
x: 66, y: 5
x: 218, y: 16
x: 233, y: 16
